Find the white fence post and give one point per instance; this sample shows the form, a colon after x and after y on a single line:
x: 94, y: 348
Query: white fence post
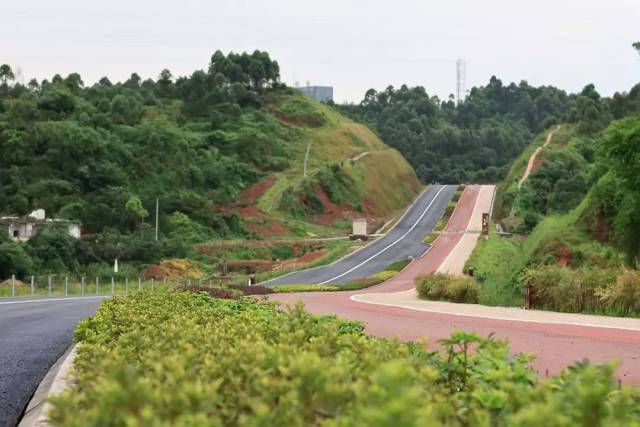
x: 126, y: 285
x: 32, y: 286
x: 112, y: 286
x: 66, y: 286
x: 49, y: 285
x: 13, y: 285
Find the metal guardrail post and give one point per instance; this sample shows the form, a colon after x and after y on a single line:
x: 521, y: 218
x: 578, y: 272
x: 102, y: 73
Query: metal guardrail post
x: 113, y: 285
x: 97, y: 286
x: 82, y: 286
x: 126, y: 286
x: 152, y: 284
x: 189, y: 282
x: 48, y: 285
x: 32, y: 286
x: 66, y: 286
x: 139, y: 283
x: 13, y: 285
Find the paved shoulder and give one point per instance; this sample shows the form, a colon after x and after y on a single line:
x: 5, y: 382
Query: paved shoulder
x: 33, y: 335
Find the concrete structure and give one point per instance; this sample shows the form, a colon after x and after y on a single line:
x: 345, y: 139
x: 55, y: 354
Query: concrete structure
x: 359, y: 229
x: 319, y: 93
x: 22, y: 228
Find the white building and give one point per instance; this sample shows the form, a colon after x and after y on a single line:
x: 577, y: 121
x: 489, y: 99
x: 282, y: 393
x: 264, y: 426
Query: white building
x: 319, y: 93
x: 22, y: 228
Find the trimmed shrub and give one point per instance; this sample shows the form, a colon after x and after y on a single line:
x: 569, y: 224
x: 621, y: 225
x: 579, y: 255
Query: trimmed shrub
x: 178, y: 359
x: 304, y: 288
x: 449, y: 288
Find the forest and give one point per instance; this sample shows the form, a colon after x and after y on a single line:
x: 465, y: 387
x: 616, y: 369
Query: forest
x: 477, y: 139
x: 102, y: 154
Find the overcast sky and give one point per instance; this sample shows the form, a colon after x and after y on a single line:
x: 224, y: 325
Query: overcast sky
x: 351, y: 45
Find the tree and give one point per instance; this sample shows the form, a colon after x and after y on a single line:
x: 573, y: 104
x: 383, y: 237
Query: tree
x: 136, y: 212
x: 14, y: 260
x: 6, y: 74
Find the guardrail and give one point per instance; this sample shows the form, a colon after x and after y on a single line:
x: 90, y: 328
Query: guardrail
x: 63, y: 286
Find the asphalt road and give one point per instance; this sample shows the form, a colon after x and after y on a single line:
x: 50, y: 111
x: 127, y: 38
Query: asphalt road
x: 404, y: 240
x: 34, y: 333
x: 555, y: 345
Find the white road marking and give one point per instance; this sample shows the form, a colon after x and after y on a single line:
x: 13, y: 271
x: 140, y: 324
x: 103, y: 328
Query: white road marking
x: 53, y: 299
x: 391, y: 244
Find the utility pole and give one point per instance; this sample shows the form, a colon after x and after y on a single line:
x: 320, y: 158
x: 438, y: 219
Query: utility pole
x: 157, y: 209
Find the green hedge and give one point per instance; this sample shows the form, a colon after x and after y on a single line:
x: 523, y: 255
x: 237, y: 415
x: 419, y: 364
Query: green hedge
x: 449, y: 288
x: 175, y: 359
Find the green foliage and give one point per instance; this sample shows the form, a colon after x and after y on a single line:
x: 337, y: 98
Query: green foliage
x: 188, y: 359
x: 469, y: 142
x: 449, y: 288
x: 592, y: 290
x: 304, y: 288
x: 14, y: 260
x: 617, y: 195
x: 53, y: 250
x: 341, y: 188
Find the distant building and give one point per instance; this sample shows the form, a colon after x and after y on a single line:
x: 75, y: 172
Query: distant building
x: 319, y: 93
x: 22, y: 228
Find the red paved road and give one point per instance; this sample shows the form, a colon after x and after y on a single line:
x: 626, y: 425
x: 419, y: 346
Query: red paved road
x: 556, y: 346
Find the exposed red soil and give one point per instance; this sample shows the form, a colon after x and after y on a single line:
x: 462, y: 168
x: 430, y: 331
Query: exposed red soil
x: 306, y: 120
x: 266, y: 265
x: 563, y: 255
x: 19, y: 283
x: 601, y: 229
x: 171, y: 268
x: 252, y: 193
x: 246, y: 208
x: 270, y: 228
x: 539, y: 160
x: 332, y: 211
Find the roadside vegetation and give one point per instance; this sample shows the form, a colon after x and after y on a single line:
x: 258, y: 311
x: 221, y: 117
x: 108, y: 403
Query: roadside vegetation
x: 442, y: 287
x: 189, y: 359
x: 222, y: 150
x: 473, y: 141
x: 577, y: 213
x: 389, y: 272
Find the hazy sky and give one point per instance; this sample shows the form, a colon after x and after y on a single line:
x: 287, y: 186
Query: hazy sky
x: 351, y: 45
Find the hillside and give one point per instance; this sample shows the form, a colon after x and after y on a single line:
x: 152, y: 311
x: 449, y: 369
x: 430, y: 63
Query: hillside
x: 578, y: 211
x: 350, y: 174
x: 222, y: 150
x: 470, y: 141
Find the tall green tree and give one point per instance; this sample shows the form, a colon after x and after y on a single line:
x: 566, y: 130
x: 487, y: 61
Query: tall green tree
x: 6, y: 74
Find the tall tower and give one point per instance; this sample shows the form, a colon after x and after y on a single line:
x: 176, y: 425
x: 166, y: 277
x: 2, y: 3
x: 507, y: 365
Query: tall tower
x: 461, y: 70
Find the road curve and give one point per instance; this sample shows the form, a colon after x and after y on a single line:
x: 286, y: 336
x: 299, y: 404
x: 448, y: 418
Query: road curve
x: 555, y: 345
x: 404, y: 240
x: 33, y: 335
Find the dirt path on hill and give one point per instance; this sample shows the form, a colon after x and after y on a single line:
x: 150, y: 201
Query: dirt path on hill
x: 532, y: 159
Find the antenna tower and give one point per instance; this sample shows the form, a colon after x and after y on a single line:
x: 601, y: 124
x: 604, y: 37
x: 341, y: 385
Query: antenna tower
x: 461, y: 71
